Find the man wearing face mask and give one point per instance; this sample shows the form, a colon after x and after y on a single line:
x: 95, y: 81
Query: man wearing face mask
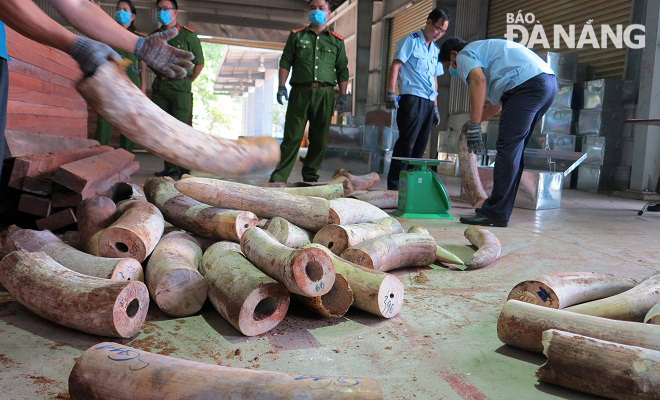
x: 26, y: 18
x: 515, y: 81
x: 318, y: 58
x: 416, y: 68
x: 175, y: 95
x: 137, y: 73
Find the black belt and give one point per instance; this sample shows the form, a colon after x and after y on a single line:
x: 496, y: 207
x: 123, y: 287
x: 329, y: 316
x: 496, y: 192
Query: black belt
x: 312, y: 84
x: 167, y: 78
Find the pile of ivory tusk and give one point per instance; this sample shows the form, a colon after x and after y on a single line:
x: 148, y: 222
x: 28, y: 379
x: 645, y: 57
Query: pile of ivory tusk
x: 599, y: 332
x: 249, y: 250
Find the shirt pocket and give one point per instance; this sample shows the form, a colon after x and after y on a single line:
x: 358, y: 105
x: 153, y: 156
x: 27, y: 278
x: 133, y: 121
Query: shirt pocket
x: 420, y: 62
x: 304, y: 51
x: 328, y: 54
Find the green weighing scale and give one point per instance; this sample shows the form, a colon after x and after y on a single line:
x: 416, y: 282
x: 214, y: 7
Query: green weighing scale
x: 421, y: 193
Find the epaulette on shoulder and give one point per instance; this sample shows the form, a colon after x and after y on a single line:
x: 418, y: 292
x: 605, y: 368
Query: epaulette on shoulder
x: 338, y: 36
x: 415, y: 34
x: 188, y: 29
x: 299, y: 29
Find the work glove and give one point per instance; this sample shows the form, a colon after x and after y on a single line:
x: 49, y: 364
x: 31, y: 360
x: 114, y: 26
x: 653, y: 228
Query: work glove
x: 166, y: 59
x: 340, y: 104
x: 475, y: 141
x: 436, y: 116
x: 91, y: 54
x: 390, y: 101
x: 282, y: 93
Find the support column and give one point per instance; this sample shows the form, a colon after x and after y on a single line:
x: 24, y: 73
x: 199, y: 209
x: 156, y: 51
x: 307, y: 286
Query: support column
x: 646, y: 160
x: 365, y: 12
x: 269, y: 98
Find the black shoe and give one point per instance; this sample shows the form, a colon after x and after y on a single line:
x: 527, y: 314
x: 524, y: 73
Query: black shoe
x: 167, y: 172
x: 480, y: 219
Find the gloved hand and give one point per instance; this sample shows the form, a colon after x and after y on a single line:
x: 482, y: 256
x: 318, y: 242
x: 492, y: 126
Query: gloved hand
x: 340, y: 104
x: 168, y: 60
x: 390, y: 101
x: 91, y: 54
x: 475, y: 142
x: 436, y: 116
x: 282, y: 93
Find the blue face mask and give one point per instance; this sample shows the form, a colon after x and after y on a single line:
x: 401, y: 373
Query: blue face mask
x: 122, y: 17
x: 317, y: 17
x: 453, y: 72
x: 164, y: 17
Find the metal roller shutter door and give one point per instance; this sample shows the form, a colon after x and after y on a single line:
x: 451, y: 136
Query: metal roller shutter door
x: 607, y: 63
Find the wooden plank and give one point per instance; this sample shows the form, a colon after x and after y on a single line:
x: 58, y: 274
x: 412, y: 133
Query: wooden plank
x: 61, y: 131
x: 15, y: 121
x: 68, y: 198
x: 21, y: 144
x: 27, y: 82
x: 36, y: 185
x: 30, y: 96
x: 45, y: 163
x: 23, y: 108
x: 23, y: 68
x: 86, y: 173
x: 42, y: 50
x: 22, y: 48
x: 122, y: 176
x: 65, y: 198
x: 57, y: 220
x: 34, y: 205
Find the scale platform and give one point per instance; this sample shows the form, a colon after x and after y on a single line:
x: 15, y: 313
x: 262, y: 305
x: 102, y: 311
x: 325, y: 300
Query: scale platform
x: 421, y: 192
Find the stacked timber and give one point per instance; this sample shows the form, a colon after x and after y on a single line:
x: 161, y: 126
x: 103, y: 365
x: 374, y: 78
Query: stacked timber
x: 56, y: 173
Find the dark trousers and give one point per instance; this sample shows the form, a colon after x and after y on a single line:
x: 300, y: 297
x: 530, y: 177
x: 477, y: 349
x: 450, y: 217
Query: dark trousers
x: 414, y: 120
x: 4, y: 91
x: 522, y: 107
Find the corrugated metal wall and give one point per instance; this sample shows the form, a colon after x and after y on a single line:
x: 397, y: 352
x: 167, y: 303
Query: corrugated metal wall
x: 469, y: 27
x: 408, y: 21
x: 607, y: 63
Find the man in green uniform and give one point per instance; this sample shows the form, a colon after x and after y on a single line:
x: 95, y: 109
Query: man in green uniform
x: 319, y: 61
x: 136, y: 71
x: 175, y: 95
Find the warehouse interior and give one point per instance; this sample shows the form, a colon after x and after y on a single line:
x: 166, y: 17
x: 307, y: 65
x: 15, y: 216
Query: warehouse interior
x: 584, y: 230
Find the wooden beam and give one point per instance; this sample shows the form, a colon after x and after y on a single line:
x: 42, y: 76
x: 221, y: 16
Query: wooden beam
x: 21, y: 144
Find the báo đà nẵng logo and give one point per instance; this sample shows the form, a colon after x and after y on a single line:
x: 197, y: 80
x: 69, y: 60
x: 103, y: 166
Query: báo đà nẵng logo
x: 576, y: 37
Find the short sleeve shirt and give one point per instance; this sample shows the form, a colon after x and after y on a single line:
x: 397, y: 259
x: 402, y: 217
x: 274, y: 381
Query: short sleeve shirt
x: 506, y: 64
x: 3, y: 42
x: 417, y: 75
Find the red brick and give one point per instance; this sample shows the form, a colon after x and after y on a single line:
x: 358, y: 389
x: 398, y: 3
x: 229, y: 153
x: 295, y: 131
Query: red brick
x: 34, y: 205
x: 57, y: 220
x: 89, y: 172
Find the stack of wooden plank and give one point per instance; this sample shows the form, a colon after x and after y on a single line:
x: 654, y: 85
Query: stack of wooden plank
x: 56, y: 173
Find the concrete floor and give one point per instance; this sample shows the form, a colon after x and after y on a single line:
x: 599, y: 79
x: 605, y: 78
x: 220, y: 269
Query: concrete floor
x: 443, y: 344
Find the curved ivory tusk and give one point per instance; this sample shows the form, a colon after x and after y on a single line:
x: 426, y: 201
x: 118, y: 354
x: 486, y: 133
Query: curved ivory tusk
x: 118, y: 100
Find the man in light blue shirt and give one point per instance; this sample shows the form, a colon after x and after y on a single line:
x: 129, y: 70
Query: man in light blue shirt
x: 416, y: 68
x: 515, y: 81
